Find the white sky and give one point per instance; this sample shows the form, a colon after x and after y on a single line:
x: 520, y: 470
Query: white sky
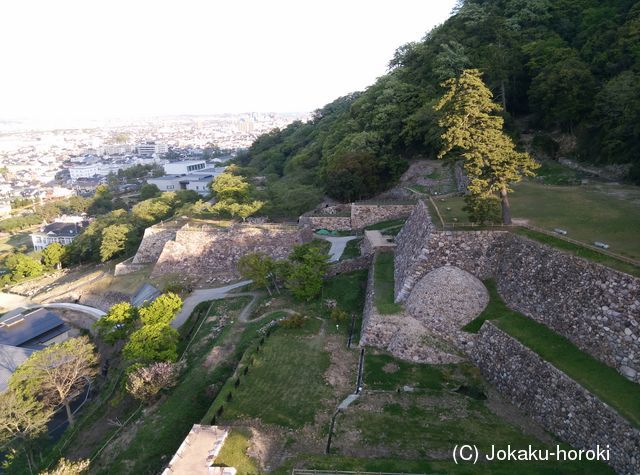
x: 105, y: 58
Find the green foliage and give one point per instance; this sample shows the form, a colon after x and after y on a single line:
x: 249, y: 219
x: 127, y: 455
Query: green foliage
x: 69, y: 467
x: 21, y: 417
x: 151, y: 343
x: 563, y: 64
x: 114, y: 239
x: 482, y: 209
x: 293, y: 321
x: 308, y: 266
x: 55, y: 374
x: 22, y: 266
x: 473, y: 132
x: 148, y: 191
x: 258, y: 267
x: 162, y: 310
x: 118, y: 323
x: 233, y: 195
x: 338, y: 315
x: 52, y: 255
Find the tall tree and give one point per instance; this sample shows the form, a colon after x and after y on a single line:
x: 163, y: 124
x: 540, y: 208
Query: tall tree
x: 151, y: 343
x: 114, y: 240
x: 23, y: 419
x: 474, y: 132
x: 56, y: 374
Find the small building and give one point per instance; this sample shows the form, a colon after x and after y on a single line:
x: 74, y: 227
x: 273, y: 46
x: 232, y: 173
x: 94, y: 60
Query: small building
x: 22, y: 334
x: 198, y: 180
x: 198, y: 452
x: 184, y: 167
x: 62, y: 232
x: 152, y: 148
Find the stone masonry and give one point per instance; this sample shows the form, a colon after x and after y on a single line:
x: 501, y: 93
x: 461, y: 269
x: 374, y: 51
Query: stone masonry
x: 594, y: 306
x: 361, y: 215
x: 208, y: 255
x: 560, y: 405
x: 153, y: 241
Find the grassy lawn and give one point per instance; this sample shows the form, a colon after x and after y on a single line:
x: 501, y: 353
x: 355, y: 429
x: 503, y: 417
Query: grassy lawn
x: 386, y: 224
x: 604, y: 381
x: 288, y: 373
x: 384, y: 282
x: 161, y: 433
x: 352, y: 249
x: 597, y: 212
x: 234, y: 453
x: 416, y: 431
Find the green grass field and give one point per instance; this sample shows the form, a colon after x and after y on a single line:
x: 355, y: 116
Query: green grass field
x: 384, y: 281
x: 414, y: 432
x: 352, y: 249
x: 596, y: 212
x: 288, y: 373
x: 602, y: 380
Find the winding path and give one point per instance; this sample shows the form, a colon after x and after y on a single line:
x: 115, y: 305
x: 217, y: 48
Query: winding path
x: 201, y: 295
x: 338, y: 244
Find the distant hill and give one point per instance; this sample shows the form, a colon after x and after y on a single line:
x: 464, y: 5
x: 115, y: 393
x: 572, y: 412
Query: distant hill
x: 567, y: 68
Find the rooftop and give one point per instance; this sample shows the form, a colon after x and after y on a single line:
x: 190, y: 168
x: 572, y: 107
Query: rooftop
x: 61, y: 229
x: 198, y: 451
x: 31, y: 329
x: 10, y: 358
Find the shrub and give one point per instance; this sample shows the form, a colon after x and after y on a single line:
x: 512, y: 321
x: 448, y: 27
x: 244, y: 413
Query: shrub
x: 146, y: 382
x: 293, y: 321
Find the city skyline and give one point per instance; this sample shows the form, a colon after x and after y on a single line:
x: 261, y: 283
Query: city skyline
x: 113, y: 59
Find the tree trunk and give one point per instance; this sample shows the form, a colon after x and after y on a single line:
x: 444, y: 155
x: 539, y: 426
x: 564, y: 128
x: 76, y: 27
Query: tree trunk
x: 504, y: 95
x: 69, y: 413
x: 506, y: 210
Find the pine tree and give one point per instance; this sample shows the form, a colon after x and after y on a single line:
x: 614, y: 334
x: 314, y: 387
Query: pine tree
x: 474, y: 132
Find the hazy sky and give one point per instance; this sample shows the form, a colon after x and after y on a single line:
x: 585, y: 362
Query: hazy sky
x: 94, y: 58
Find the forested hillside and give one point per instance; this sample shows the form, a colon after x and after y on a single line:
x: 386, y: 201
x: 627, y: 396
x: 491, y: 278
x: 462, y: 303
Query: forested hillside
x: 570, y: 66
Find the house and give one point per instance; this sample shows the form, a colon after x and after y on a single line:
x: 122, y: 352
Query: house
x: 62, y: 231
x: 198, y: 452
x: 187, y: 175
x: 23, y: 333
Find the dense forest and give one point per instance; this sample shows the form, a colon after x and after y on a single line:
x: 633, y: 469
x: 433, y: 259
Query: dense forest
x: 561, y: 66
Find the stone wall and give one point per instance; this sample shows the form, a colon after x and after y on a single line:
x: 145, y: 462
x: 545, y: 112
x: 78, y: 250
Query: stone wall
x: 560, y: 405
x: 153, y: 241
x: 349, y: 265
x: 365, y: 214
x: 400, y: 334
x: 332, y: 223
x: 127, y: 267
x: 361, y: 215
x: 410, y: 243
x: 207, y: 255
x: 594, y: 306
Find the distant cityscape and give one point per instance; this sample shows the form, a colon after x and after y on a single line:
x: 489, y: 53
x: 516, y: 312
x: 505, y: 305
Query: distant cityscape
x: 40, y: 161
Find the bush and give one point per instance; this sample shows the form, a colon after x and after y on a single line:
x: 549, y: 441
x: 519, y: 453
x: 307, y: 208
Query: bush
x: 145, y: 383
x: 544, y: 144
x: 294, y: 321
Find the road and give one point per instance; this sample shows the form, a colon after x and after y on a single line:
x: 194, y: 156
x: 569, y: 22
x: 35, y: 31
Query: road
x: 338, y: 244
x: 201, y: 295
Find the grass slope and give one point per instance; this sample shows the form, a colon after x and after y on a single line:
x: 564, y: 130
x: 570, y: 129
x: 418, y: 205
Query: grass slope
x: 288, y: 373
x: 384, y: 282
x: 604, y: 381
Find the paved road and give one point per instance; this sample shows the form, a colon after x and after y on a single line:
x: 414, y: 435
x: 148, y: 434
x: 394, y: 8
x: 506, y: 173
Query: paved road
x: 338, y: 243
x: 91, y: 311
x: 200, y: 295
x: 17, y: 302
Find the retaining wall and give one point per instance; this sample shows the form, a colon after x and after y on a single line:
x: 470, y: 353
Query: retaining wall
x: 153, y: 241
x: 560, y: 405
x: 594, y: 306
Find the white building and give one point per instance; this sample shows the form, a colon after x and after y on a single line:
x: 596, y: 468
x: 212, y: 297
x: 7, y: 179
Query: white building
x: 151, y: 148
x: 62, y: 232
x: 188, y: 175
x: 184, y: 167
